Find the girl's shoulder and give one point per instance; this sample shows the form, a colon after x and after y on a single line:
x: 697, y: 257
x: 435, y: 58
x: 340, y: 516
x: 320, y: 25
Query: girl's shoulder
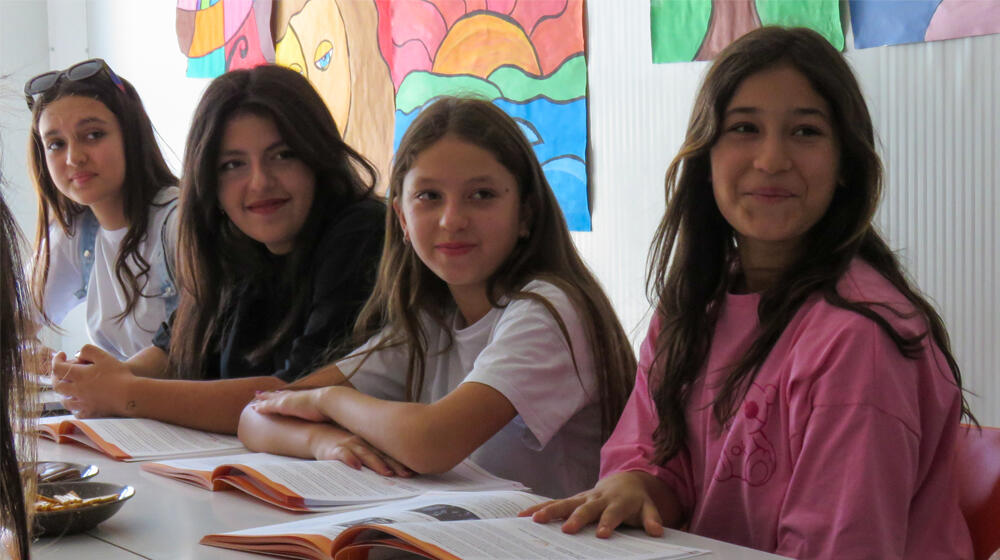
x: 863, y: 284
x: 167, y: 196
x: 549, y: 289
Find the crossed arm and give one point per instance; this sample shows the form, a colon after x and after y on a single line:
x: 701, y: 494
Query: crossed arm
x: 425, y: 438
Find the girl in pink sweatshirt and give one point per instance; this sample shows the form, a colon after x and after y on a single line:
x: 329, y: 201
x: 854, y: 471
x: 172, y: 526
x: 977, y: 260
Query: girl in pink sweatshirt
x: 795, y: 394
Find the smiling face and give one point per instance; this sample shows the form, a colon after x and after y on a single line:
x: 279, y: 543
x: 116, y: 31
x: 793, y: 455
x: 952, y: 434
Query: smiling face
x: 460, y: 208
x: 84, y: 152
x: 775, y: 163
x: 264, y: 188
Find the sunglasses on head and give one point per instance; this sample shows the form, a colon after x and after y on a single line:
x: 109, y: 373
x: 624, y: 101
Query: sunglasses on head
x: 79, y: 71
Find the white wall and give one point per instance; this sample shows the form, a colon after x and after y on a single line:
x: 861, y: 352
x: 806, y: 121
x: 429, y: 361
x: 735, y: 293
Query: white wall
x: 935, y: 107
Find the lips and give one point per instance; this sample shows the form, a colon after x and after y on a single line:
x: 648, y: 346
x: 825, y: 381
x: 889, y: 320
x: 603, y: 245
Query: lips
x: 773, y: 194
x: 82, y: 177
x: 454, y: 248
x: 267, y: 206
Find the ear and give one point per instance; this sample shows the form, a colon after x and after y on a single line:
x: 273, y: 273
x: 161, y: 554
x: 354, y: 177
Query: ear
x: 398, y: 210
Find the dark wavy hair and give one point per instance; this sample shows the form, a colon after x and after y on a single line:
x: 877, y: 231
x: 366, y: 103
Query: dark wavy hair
x: 405, y: 286
x: 214, y: 256
x: 693, y: 256
x: 146, y: 173
x: 16, y: 410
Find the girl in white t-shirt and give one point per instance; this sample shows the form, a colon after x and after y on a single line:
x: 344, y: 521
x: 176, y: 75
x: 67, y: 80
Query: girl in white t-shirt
x: 107, y: 223
x: 497, y: 338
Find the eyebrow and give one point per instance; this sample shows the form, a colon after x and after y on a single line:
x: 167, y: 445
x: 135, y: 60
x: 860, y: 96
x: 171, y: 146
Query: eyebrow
x: 807, y: 111
x: 82, y: 122
x: 273, y: 146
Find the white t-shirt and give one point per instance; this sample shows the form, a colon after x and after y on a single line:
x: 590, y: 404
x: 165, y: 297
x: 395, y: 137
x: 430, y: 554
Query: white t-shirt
x: 553, y: 444
x: 105, y: 297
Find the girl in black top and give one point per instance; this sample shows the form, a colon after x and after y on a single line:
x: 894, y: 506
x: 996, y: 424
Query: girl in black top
x: 280, y: 235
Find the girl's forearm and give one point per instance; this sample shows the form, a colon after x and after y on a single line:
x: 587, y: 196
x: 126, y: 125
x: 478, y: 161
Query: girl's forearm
x: 213, y: 406
x: 426, y: 438
x: 272, y: 433
x: 149, y: 362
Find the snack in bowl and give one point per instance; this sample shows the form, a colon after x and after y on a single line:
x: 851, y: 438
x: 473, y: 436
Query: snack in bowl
x: 64, y: 508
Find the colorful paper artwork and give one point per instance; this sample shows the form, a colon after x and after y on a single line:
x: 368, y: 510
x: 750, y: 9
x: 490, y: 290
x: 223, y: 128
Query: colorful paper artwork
x: 526, y: 57
x: 220, y: 35
x: 685, y: 30
x: 878, y: 22
x: 335, y: 44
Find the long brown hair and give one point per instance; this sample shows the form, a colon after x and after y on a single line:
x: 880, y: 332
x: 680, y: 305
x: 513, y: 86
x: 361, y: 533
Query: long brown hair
x: 214, y: 257
x: 694, y: 254
x: 16, y: 408
x: 405, y: 286
x: 145, y: 174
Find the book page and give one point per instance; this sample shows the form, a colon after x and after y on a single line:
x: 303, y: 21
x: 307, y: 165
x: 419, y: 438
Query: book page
x: 435, y: 506
x: 331, y: 483
x: 523, y: 539
x: 142, y: 438
x: 306, y: 535
x: 209, y: 464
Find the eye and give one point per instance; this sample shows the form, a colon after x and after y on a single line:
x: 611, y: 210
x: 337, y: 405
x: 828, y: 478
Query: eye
x: 229, y: 165
x: 742, y: 128
x: 54, y: 145
x: 484, y: 194
x: 807, y: 130
x: 285, y: 153
x: 95, y: 135
x: 427, y: 196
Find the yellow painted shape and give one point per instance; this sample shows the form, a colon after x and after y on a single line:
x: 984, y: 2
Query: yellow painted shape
x: 320, y: 23
x: 209, y: 31
x: 480, y: 44
x: 288, y: 52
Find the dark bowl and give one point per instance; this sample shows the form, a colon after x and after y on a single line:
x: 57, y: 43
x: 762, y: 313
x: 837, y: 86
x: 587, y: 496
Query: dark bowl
x: 60, y: 471
x: 67, y: 522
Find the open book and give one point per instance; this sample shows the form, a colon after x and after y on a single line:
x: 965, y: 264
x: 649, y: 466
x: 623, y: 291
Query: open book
x: 480, y: 525
x: 306, y: 485
x: 135, y: 439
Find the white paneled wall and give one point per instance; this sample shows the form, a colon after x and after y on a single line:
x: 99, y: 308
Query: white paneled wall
x: 935, y: 107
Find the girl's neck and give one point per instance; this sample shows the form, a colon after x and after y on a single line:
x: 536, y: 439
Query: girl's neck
x: 472, y: 303
x: 762, y: 263
x: 110, y: 213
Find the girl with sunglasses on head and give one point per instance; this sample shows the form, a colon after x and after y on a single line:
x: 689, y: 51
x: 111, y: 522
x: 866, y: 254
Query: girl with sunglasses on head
x: 499, y: 339
x: 107, y: 220
x: 280, y: 235
x: 796, y: 394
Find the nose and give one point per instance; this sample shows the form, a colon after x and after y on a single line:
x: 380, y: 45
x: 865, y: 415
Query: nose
x: 772, y: 156
x: 454, y: 216
x: 76, y: 155
x: 260, y: 176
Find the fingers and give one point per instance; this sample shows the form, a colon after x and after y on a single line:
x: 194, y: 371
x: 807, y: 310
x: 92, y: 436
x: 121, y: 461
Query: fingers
x: 92, y: 354
x: 376, y: 460
x: 651, y: 520
x: 585, y: 514
x: 373, y: 460
x: 556, y: 509
x: 399, y: 468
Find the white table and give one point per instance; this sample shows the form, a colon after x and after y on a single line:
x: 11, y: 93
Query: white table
x: 166, y: 519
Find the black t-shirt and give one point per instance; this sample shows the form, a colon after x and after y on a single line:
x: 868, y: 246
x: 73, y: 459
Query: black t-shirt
x: 340, y: 279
